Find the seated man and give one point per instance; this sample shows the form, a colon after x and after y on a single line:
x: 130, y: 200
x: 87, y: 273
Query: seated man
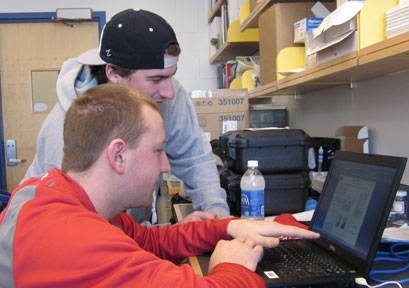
x: 68, y: 229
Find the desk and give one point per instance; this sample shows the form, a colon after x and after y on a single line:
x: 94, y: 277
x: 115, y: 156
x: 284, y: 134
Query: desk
x: 181, y: 210
x: 200, y: 264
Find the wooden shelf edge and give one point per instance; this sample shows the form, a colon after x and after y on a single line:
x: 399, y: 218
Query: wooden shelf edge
x: 328, y: 68
x: 216, y: 11
x: 265, y: 90
x: 387, y: 48
x: 230, y: 50
x: 252, y: 20
x: 214, y: 58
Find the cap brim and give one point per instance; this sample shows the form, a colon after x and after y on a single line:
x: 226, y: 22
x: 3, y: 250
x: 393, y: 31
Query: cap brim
x: 91, y: 57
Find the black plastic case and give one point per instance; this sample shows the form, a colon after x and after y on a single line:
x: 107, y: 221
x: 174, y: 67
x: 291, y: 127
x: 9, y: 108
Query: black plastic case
x: 277, y: 150
x: 284, y: 193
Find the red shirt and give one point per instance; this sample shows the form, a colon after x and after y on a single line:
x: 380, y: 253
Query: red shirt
x: 55, y: 238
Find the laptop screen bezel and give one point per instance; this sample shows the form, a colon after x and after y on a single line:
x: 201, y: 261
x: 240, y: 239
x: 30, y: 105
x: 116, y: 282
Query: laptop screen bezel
x: 362, y: 266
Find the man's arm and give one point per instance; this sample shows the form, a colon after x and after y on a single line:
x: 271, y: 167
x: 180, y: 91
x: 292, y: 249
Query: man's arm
x: 195, y: 238
x: 190, y: 154
x: 229, y: 256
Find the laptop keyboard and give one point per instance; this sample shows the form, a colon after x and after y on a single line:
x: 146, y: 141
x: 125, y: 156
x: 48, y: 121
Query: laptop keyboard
x: 292, y: 258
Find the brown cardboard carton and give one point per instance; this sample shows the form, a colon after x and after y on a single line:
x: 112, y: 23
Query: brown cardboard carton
x: 354, y: 138
x: 220, y: 100
x: 276, y: 28
x: 215, y: 124
x: 221, y: 110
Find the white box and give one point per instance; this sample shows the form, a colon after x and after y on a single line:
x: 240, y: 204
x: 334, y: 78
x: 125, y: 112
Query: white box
x: 346, y: 45
x: 303, y: 26
x: 336, y: 36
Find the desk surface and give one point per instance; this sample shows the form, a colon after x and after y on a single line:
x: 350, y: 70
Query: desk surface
x: 181, y: 210
x: 200, y: 265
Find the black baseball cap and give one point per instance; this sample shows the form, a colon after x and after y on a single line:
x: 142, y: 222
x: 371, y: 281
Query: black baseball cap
x: 135, y: 39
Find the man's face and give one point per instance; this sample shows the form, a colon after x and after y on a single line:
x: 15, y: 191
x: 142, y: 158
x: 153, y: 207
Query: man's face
x: 156, y: 83
x: 147, y: 161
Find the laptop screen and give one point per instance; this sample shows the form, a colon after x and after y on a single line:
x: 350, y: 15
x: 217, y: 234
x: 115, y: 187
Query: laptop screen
x: 354, y: 204
x: 352, y: 207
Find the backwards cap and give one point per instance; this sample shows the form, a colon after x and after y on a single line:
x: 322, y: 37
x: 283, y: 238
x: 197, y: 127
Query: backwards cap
x: 135, y: 39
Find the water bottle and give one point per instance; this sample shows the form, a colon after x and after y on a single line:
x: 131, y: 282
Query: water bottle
x: 320, y: 159
x: 252, y: 186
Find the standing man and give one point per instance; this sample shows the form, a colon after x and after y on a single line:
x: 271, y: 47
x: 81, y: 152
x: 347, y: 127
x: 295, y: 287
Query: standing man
x: 139, y: 49
x: 57, y: 231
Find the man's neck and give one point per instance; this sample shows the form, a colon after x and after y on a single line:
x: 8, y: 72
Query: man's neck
x: 99, y: 192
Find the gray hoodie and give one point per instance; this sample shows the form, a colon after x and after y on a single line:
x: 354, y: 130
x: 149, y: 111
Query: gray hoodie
x: 188, y: 149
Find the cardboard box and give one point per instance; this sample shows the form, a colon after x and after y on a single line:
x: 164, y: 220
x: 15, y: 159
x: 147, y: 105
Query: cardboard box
x: 221, y: 110
x: 276, y: 28
x: 304, y: 25
x: 336, y: 36
x: 354, y: 138
x: 345, y: 46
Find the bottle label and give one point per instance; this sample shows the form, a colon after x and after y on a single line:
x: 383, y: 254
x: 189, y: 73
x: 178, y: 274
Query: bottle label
x: 398, y: 207
x: 252, y: 203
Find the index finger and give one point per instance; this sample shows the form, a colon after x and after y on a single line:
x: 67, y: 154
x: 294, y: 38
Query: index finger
x: 291, y: 231
x: 272, y: 231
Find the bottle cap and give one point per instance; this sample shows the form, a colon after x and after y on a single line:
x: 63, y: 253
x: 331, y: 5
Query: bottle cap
x: 252, y: 163
x: 401, y: 193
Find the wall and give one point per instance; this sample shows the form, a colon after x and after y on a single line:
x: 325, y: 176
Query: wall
x: 381, y: 103
x: 187, y: 17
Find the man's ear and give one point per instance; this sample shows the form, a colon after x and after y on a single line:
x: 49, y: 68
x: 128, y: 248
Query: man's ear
x: 111, y: 74
x: 116, y: 155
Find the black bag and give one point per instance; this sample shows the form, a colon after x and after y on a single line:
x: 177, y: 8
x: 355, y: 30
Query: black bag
x: 284, y: 193
x: 277, y: 150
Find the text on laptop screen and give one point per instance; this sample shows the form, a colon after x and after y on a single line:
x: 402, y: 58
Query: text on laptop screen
x: 353, y: 193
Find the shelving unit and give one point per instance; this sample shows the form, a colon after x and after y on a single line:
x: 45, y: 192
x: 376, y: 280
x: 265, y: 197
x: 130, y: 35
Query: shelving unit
x: 252, y: 20
x: 382, y: 58
x: 230, y: 50
x: 216, y: 11
x: 239, y: 43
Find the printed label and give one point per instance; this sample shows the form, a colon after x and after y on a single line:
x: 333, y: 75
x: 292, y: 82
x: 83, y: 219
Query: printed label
x: 271, y: 274
x: 252, y: 203
x: 206, y: 103
x: 230, y: 101
x: 229, y: 126
x: 398, y: 207
x: 238, y: 117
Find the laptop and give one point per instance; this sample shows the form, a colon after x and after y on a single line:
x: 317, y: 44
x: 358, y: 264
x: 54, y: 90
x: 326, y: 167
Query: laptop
x: 350, y: 216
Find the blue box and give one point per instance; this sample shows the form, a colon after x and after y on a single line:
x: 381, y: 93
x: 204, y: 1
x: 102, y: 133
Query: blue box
x: 301, y: 27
